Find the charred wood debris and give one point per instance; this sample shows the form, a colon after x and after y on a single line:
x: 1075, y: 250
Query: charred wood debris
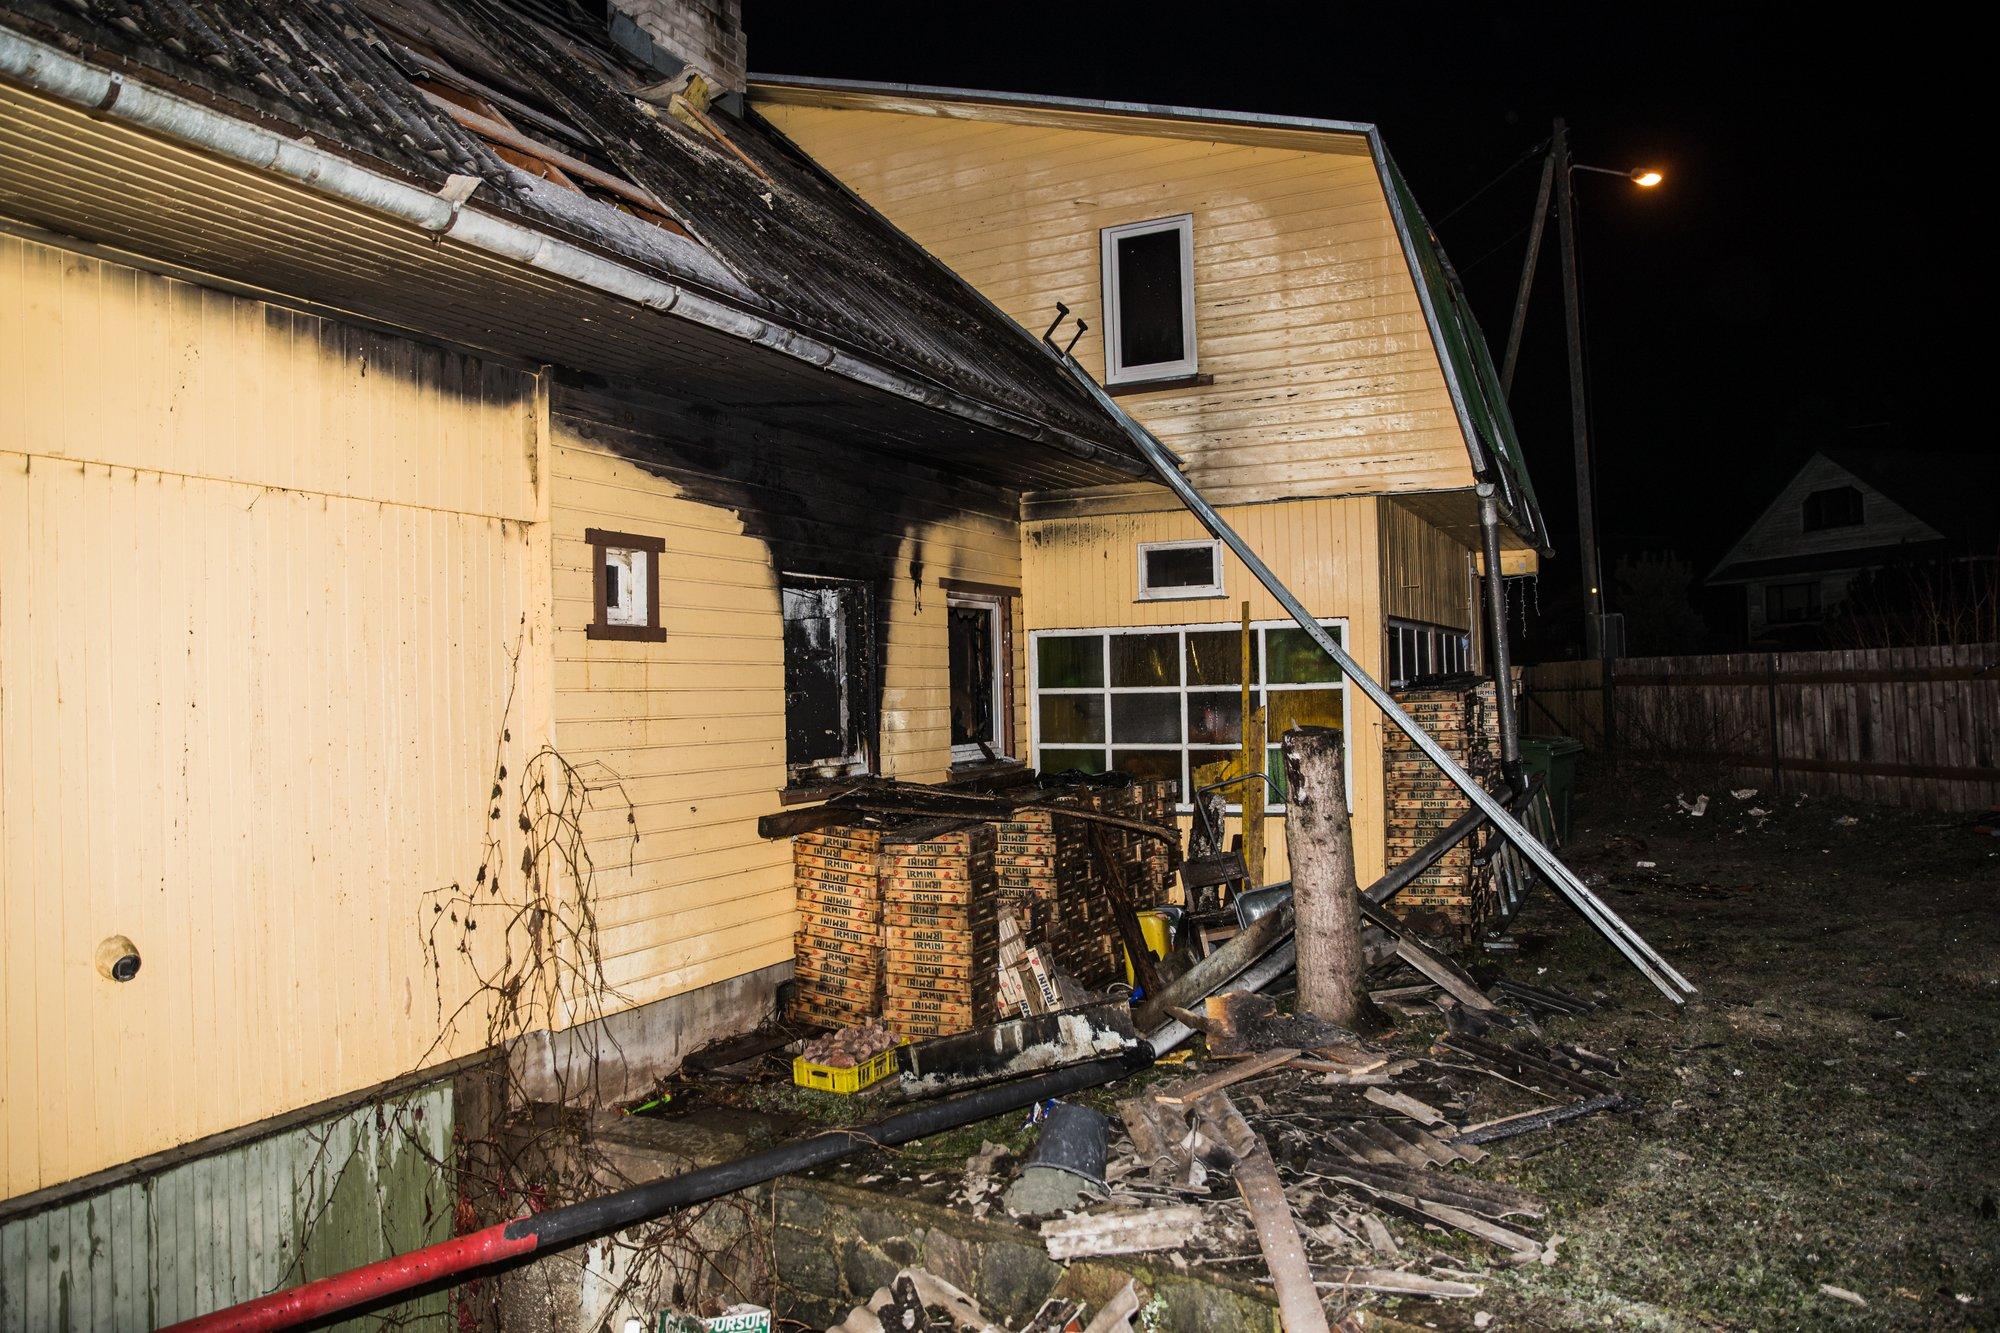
x: 1276, y: 1154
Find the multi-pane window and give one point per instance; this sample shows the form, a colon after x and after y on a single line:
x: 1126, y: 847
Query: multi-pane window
x: 1417, y: 650
x: 1149, y: 300
x: 1791, y: 603
x: 1168, y: 702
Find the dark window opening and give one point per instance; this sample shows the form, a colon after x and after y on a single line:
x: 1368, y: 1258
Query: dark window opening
x: 1150, y: 330
x: 1791, y: 603
x: 1148, y: 300
x: 977, y: 647
x: 829, y: 677
x: 1180, y: 569
x: 1835, y: 507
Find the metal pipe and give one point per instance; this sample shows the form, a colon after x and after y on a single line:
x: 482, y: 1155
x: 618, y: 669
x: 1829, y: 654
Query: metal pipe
x: 56, y: 74
x: 1627, y: 941
x: 1496, y: 633
x: 509, y: 1243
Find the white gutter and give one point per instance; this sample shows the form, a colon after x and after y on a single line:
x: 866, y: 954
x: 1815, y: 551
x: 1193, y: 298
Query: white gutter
x: 112, y: 96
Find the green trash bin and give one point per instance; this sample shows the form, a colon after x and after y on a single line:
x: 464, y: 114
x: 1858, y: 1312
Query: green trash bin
x: 1554, y: 759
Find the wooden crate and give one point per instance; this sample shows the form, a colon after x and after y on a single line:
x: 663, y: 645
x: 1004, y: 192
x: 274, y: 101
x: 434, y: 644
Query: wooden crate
x: 837, y: 950
x: 1454, y: 897
x: 941, y: 933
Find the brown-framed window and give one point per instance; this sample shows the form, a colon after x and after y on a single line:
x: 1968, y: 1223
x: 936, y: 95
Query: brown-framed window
x: 625, y: 586
x: 979, y: 638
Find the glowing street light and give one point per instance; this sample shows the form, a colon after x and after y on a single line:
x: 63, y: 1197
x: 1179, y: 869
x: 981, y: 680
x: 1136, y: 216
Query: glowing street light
x: 1643, y: 177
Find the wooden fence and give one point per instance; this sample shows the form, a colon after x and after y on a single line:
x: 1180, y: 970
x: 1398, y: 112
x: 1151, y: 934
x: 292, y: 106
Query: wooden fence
x: 1897, y: 726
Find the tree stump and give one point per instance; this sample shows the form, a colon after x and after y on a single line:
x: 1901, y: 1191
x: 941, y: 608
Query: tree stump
x: 1324, y: 894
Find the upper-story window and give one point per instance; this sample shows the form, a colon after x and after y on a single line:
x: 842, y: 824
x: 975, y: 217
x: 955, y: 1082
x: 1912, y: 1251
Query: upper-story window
x: 1834, y: 507
x: 1149, y: 300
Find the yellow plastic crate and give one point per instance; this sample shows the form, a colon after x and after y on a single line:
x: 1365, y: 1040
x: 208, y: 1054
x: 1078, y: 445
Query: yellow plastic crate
x: 831, y: 1078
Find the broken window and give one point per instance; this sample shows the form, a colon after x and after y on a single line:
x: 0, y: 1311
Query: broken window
x: 978, y: 641
x: 1148, y: 271
x: 1835, y: 507
x: 1167, y: 702
x: 625, y: 583
x: 1170, y: 570
x: 829, y: 674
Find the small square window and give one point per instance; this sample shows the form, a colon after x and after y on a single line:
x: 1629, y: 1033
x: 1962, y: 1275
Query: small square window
x: 1178, y: 570
x: 1148, y: 274
x: 625, y: 584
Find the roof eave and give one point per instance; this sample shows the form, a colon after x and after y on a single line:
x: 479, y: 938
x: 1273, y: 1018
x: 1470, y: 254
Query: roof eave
x: 360, y: 181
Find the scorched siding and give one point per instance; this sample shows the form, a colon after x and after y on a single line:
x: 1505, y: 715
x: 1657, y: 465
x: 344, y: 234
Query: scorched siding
x: 691, y: 731
x: 261, y: 580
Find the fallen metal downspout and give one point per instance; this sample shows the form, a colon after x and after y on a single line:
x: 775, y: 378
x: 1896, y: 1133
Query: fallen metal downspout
x: 1640, y: 954
x: 510, y: 1243
x: 100, y: 92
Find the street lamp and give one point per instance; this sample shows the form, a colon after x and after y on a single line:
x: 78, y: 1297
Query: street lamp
x: 1558, y: 172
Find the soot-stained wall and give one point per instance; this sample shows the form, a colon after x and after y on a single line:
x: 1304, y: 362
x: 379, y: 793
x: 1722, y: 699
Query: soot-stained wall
x: 691, y: 731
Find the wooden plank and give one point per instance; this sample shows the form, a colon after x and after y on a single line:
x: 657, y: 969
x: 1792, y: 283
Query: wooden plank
x: 1278, y: 1235
x: 1193, y: 1090
x: 1406, y: 1105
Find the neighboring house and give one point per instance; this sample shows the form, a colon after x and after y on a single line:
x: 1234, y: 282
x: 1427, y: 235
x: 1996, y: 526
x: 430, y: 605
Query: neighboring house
x: 1263, y: 294
x: 437, y: 449
x: 1850, y: 511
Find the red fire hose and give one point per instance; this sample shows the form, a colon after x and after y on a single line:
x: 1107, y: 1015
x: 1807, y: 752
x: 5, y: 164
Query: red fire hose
x: 510, y: 1243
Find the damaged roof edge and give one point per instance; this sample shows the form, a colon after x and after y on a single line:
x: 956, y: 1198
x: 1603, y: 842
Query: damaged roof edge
x: 1516, y: 501
x: 54, y: 73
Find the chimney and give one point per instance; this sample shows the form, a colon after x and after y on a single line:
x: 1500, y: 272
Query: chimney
x: 706, y: 35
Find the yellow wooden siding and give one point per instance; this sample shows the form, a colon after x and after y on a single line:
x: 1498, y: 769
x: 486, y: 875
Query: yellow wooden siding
x: 1326, y: 380
x: 260, y: 579
x: 1425, y: 574
x: 693, y: 729
x: 1082, y: 573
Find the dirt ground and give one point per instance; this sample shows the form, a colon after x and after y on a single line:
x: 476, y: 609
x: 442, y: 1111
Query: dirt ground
x: 1823, y: 1113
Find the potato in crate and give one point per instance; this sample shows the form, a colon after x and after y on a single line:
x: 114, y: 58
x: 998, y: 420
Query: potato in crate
x: 847, y: 1061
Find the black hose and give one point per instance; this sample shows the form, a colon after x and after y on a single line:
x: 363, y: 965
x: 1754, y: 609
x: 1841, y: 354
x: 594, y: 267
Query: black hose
x: 613, y: 1212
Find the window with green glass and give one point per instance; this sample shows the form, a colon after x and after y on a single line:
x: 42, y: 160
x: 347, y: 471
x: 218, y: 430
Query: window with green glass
x: 1168, y: 701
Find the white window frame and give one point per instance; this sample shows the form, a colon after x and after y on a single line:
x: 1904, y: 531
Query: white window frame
x: 1192, y: 592
x: 633, y: 609
x: 1115, y: 371
x: 1105, y: 690
x: 993, y: 607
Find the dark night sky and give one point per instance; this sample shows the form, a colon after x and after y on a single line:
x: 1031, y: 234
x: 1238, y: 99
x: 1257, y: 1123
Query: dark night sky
x: 1786, y: 287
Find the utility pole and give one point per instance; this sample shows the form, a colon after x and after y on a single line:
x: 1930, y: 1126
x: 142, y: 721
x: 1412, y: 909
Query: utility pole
x: 1579, y: 412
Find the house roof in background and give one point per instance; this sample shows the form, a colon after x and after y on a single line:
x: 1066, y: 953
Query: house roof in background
x: 743, y: 216
x: 1467, y: 362
x: 1950, y: 491
x: 1956, y: 492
